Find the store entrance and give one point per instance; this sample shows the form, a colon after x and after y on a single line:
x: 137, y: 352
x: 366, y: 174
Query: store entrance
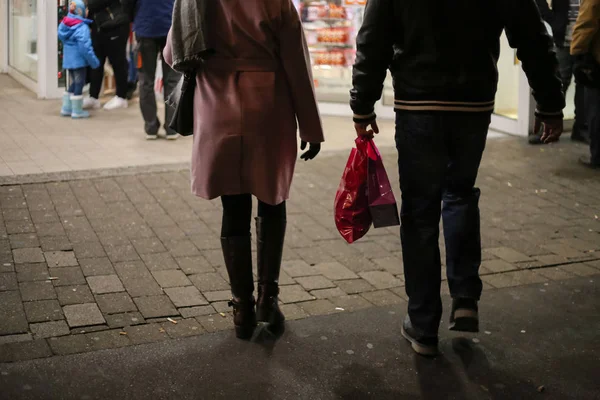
x: 22, y: 37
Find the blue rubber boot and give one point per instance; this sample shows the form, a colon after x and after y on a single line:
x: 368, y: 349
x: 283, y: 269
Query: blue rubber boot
x: 67, y: 108
x: 77, y: 108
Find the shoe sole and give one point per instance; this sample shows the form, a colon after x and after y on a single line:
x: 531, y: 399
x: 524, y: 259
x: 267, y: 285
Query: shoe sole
x: 172, y: 137
x: 465, y: 321
x: 151, y: 137
x: 427, y: 351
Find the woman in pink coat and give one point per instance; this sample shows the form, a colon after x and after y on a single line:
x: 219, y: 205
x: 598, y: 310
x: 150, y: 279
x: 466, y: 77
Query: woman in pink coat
x: 251, y: 97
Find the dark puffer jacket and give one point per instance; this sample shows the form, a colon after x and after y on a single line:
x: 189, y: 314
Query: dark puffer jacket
x: 108, y: 15
x: 443, y: 55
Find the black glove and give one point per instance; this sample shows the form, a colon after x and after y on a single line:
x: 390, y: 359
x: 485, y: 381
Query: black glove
x: 587, y: 71
x: 312, y: 152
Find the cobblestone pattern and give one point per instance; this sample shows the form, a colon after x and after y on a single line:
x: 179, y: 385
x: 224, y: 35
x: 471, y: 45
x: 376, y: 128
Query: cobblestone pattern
x: 110, y: 262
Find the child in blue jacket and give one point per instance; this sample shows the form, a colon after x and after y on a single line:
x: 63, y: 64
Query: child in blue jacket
x: 74, y: 32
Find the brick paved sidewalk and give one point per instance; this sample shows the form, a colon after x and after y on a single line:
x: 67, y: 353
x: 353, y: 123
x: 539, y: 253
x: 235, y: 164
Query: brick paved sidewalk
x: 115, y: 261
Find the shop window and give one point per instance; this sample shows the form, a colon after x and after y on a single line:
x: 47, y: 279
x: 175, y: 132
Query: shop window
x: 509, y: 69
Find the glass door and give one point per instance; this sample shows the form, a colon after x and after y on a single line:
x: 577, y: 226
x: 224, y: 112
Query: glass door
x: 23, y: 44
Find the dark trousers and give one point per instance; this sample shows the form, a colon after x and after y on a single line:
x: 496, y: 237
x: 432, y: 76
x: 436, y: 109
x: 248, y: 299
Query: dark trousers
x: 566, y: 65
x: 111, y: 45
x: 149, y: 51
x: 438, y: 159
x: 237, y: 214
x: 77, y: 81
x: 592, y: 109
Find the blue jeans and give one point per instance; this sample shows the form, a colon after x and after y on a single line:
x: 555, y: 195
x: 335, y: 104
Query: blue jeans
x: 438, y: 160
x: 77, y: 77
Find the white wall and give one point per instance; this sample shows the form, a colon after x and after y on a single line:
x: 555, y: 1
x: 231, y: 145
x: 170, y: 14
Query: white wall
x: 3, y: 35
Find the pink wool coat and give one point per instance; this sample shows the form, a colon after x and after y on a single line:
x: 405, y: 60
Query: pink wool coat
x: 248, y: 98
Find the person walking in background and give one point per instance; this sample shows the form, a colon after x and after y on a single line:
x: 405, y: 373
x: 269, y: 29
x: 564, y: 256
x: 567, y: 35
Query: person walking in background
x: 586, y: 50
x: 110, y: 32
x: 561, y: 16
x: 251, y: 96
x: 74, y: 32
x: 445, y: 80
x: 152, y: 21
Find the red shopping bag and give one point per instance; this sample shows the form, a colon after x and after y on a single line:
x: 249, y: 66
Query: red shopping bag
x: 382, y: 202
x: 352, y: 216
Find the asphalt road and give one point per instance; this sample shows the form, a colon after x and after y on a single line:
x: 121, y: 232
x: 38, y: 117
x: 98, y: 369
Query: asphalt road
x: 537, y: 342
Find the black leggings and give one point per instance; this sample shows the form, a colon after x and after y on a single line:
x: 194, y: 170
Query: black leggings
x: 237, y: 214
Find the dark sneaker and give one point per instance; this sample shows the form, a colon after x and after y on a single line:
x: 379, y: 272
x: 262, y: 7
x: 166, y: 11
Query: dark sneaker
x: 422, y: 345
x: 535, y: 139
x: 464, y: 317
x: 588, y: 163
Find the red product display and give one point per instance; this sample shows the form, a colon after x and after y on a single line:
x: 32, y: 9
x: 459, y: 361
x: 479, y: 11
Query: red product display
x: 352, y: 215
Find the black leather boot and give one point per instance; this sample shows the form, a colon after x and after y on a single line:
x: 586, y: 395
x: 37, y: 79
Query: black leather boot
x: 271, y: 235
x: 237, y: 252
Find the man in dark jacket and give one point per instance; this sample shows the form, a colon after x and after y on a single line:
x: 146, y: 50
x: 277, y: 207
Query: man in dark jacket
x: 443, y: 57
x: 151, y: 24
x: 561, y: 15
x: 110, y: 32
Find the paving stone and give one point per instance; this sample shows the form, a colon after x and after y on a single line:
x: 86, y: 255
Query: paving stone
x: 13, y: 214
x: 150, y: 333
x: 89, y: 250
x: 563, y: 250
x: 298, y: 268
x: 516, y: 278
x: 293, y: 312
x: 8, y: 281
x: 108, y: 340
x: 315, y: 282
x: 12, y: 315
x: 382, y: 298
x: 358, y: 264
x: 148, y: 245
x: 335, y: 271
x: 50, y: 229
x: 594, y: 264
x: 183, y: 328
x: 32, y: 272
x: 381, y: 279
x: 294, y: 294
x: 24, y: 240
x: 328, y: 293
x: 319, y: 307
x: 32, y: 291
x: 580, y: 269
x: 401, y: 291
x: 96, y: 266
x: 555, y: 273
x: 393, y: 265
x: 124, y: 320
x: 209, y: 282
x: 159, y: 262
x: 182, y: 248
x: 41, y: 217
x: 552, y: 259
x: 67, y: 276
x: 115, y: 303
x: 354, y: 286
x: 22, y: 351
x: 137, y: 279
x: 6, y: 267
x: 28, y: 255
x: 83, y: 315
x: 55, y: 243
x: 216, y: 323
x: 61, y: 259
x: 188, y: 296
x: 496, y: 266
x: 122, y: 253
x: 13, y: 227
x: 105, y: 284
x: 508, y: 255
x: 351, y: 303
x: 72, y: 344
x: 78, y: 294
x: 43, y: 311
x: 156, y: 306
x: 20, y: 338
x: 223, y: 295
x: 285, y: 279
x: 50, y: 329
x: 199, y: 311
x: 221, y: 306
x: 171, y: 278
x: 194, y: 265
